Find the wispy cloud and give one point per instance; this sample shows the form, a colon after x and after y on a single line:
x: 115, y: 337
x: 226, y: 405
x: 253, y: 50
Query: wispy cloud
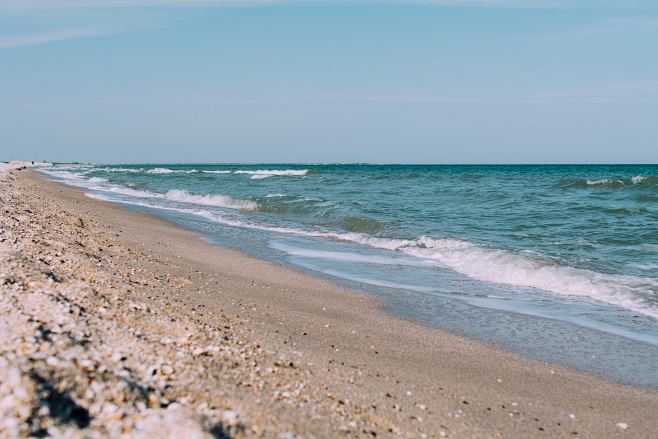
x: 27, y: 28
x: 47, y: 37
x: 635, y: 92
x: 631, y: 92
x: 10, y: 9
x: 525, y: 4
x: 532, y: 4
x: 638, y: 92
x: 21, y: 5
x: 617, y: 25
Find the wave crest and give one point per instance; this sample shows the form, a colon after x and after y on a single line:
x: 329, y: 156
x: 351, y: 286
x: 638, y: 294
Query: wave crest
x: 265, y: 173
x: 171, y: 171
x: 210, y: 200
x: 635, y: 181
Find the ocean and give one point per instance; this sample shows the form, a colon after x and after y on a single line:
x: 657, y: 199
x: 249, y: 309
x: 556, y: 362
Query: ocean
x: 557, y: 262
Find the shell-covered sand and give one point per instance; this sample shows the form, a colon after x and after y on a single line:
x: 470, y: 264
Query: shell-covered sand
x: 116, y: 324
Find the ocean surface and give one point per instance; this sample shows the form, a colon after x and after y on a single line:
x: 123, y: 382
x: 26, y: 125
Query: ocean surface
x: 556, y: 262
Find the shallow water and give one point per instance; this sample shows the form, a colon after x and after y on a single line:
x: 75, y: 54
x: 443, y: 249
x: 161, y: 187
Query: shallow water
x: 557, y: 262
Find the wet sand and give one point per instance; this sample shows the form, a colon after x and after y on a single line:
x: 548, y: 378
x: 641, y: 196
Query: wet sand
x: 273, y: 352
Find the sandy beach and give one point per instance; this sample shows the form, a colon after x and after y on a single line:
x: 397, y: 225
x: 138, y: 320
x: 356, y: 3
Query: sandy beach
x: 116, y: 323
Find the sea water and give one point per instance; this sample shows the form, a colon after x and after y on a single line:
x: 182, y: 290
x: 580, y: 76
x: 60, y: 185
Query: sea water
x: 556, y: 262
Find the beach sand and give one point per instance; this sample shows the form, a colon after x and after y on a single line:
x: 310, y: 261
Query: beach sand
x: 118, y: 323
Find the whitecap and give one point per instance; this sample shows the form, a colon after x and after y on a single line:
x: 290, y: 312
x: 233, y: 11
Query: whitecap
x: 119, y: 169
x: 265, y: 173
x: 170, y: 171
x: 210, y: 200
x: 597, y: 182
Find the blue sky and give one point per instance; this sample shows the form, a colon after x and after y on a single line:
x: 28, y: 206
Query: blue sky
x: 461, y: 81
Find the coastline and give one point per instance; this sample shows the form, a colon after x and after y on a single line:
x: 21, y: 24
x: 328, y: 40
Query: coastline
x: 362, y: 371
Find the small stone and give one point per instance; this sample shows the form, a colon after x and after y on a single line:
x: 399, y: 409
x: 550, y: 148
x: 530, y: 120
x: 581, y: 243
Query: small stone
x: 230, y: 417
x: 622, y: 425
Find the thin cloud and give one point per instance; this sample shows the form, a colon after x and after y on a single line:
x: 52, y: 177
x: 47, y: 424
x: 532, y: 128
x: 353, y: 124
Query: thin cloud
x: 640, y: 92
x: 522, y: 4
x: 628, y: 93
x: 11, y: 41
x: 617, y: 25
x: 21, y: 5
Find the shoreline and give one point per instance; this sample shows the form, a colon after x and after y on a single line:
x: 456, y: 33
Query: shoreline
x: 409, y: 379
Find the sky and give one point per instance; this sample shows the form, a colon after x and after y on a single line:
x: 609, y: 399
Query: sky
x: 285, y: 81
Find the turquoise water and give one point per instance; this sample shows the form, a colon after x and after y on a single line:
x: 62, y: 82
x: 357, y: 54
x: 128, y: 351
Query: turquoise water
x: 509, y: 254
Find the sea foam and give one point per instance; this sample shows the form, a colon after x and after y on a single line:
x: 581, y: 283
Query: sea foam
x: 177, y: 195
x: 210, y: 200
x: 265, y: 173
x: 171, y: 171
x: 610, y: 182
x: 106, y: 169
x: 635, y: 180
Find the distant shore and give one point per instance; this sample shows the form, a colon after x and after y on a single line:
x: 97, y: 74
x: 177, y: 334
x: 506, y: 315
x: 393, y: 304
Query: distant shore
x: 141, y: 327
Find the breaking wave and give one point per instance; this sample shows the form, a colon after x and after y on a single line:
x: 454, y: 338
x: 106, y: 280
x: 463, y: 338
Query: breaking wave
x: 210, y: 200
x: 265, y: 173
x: 107, y: 169
x: 181, y: 196
x: 635, y: 181
x: 255, y: 174
x: 171, y: 171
